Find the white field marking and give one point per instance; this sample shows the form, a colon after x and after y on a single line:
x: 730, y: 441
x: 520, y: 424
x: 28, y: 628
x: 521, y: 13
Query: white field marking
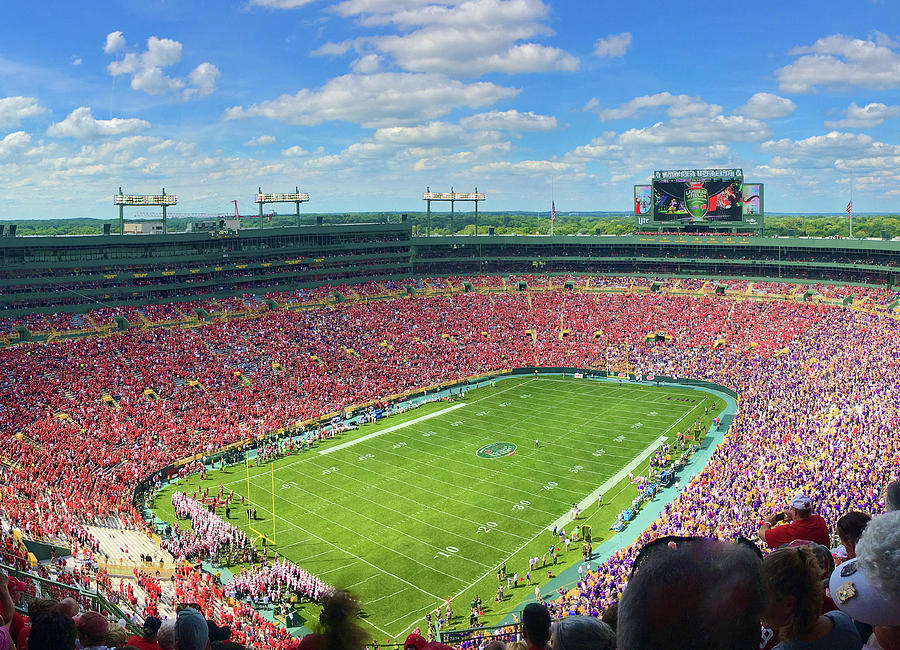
x: 373, y: 486
x: 337, y: 568
x: 361, y: 582
x: 400, y: 514
x: 566, y: 519
x: 353, y: 555
x: 369, y: 602
x: 366, y: 537
x: 402, y: 425
x: 307, y: 457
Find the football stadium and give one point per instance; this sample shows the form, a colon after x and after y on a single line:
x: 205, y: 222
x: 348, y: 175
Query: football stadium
x: 426, y: 422
x: 449, y: 325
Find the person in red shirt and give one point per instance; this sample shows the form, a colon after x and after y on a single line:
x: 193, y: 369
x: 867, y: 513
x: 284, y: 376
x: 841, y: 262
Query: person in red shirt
x: 148, y: 640
x: 803, y: 524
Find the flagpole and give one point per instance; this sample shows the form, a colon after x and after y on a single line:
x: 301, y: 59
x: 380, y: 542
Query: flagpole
x: 553, y: 207
x: 851, y: 208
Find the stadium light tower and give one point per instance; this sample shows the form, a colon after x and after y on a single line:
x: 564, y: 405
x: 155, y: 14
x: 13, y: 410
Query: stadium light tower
x: 164, y: 200
x: 297, y: 198
x: 453, y: 197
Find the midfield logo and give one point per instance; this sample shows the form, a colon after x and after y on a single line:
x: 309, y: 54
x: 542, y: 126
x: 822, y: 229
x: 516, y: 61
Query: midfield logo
x: 496, y: 450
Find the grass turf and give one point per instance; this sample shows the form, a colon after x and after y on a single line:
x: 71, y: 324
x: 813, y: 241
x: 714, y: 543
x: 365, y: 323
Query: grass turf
x: 405, y: 514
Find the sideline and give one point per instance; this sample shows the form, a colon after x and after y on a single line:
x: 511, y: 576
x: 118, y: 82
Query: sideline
x: 396, y: 427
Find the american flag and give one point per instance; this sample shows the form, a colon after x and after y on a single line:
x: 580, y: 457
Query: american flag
x: 850, y: 208
x: 553, y: 211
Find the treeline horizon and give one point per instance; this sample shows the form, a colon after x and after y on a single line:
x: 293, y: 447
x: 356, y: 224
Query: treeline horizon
x: 504, y: 223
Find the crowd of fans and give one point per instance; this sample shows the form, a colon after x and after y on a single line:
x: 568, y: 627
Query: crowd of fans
x: 819, y: 408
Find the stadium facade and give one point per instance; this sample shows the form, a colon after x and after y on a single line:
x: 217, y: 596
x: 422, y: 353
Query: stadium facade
x: 76, y: 274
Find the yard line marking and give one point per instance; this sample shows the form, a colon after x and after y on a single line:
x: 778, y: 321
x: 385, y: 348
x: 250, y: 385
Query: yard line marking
x: 564, y: 518
x: 611, y: 482
x: 353, y: 555
x: 383, y: 597
x: 356, y: 584
x: 402, y: 425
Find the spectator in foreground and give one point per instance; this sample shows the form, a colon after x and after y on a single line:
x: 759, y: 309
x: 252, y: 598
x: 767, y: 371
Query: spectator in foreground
x: 92, y: 628
x: 147, y: 640
x: 337, y: 629
x: 536, y: 625
x: 702, y: 593
x: 165, y: 638
x: 582, y: 633
x: 802, y: 524
x: 191, y: 630
x: 794, y: 581
x: 52, y: 631
x: 868, y: 588
x: 892, y: 497
x: 849, y: 528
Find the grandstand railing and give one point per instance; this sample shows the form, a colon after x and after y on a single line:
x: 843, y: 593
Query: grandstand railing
x: 51, y: 589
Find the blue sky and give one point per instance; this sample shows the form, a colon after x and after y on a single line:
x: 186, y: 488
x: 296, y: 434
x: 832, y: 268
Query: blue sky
x: 364, y: 103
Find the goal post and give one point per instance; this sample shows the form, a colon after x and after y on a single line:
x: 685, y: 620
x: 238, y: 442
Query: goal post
x: 250, y: 522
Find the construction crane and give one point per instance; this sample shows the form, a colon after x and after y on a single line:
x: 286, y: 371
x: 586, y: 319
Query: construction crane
x: 238, y: 215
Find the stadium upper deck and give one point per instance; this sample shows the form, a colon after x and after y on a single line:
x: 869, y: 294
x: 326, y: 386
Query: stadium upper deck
x: 76, y: 274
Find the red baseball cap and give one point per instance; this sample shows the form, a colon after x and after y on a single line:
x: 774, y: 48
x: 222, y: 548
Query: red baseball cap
x: 93, y: 624
x: 416, y: 641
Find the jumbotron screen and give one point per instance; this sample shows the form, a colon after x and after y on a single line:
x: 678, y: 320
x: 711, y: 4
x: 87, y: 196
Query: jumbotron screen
x: 695, y: 201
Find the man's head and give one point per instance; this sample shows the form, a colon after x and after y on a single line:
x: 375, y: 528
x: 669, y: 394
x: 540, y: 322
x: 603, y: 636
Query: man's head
x: 414, y: 642
x: 69, y: 607
x: 582, y: 633
x: 165, y: 638
x: 52, y: 631
x: 536, y: 624
x: 191, y: 630
x: 92, y: 628
x: 800, y: 507
x: 703, y: 593
x: 151, y: 627
x: 892, y: 496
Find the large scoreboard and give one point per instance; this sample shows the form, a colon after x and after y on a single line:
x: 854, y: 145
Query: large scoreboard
x: 709, y: 198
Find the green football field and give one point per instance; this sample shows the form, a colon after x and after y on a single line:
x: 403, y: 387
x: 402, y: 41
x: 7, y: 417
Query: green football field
x: 406, y: 512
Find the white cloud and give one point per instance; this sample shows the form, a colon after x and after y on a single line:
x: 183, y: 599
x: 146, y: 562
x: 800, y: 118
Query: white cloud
x: 613, y: 46
x: 296, y: 150
x: 115, y: 42
x: 675, y: 105
x: 865, y: 116
x: 81, y: 124
x: 146, y: 69
x: 839, y: 61
x: 203, y: 80
x: 511, y: 120
x: 834, y: 143
x: 280, y: 4
x: 260, y: 141
x: 458, y: 37
x: 764, y: 106
x: 14, y: 143
x: 77, y: 60
x: 367, y: 64
x: 15, y: 109
x: 377, y: 100
x: 424, y: 134
x: 699, y: 130
x: 333, y: 49
x: 529, y: 167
